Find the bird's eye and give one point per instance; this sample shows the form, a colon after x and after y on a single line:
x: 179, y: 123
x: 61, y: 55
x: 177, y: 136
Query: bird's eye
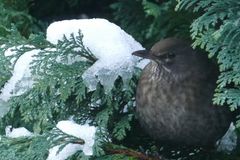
x: 171, y: 55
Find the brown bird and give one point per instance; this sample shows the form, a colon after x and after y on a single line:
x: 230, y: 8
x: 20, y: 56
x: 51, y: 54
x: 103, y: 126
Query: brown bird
x: 174, y: 96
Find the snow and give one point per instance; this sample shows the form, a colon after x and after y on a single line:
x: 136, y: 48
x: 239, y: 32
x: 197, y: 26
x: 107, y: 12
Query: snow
x: 67, y: 151
x: 17, y: 132
x: 112, y: 47
x: 229, y: 141
x: 11, y: 52
x: 85, y: 132
x: 21, y: 77
x: 108, y: 42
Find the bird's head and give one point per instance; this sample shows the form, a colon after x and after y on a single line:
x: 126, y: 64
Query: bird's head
x: 171, y: 53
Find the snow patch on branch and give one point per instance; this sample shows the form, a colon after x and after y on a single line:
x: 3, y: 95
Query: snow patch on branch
x: 85, y: 132
x: 21, y: 79
x: 17, y: 132
x: 108, y: 42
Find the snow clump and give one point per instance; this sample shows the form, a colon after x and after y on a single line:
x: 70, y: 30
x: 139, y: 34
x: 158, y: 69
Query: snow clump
x: 108, y: 42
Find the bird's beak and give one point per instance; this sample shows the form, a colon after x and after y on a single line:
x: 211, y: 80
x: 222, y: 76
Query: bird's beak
x: 143, y: 53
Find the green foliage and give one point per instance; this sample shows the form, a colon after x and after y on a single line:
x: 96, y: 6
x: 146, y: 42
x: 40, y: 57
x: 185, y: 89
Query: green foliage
x: 78, y: 156
x: 149, y: 21
x: 57, y: 83
x: 37, y: 147
x: 133, y: 24
x: 27, y: 148
x: 59, y: 91
x: 217, y: 31
x: 16, y: 13
x: 5, y: 69
x: 56, y: 137
x: 10, y: 43
x: 16, y: 5
x: 122, y: 126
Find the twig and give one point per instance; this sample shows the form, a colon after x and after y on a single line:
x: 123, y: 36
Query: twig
x: 111, y: 149
x: 132, y: 153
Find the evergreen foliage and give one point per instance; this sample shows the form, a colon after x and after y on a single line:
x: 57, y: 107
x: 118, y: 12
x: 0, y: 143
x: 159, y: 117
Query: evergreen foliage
x: 23, y: 148
x: 151, y: 20
x: 16, y: 13
x: 59, y: 92
x: 5, y: 70
x: 217, y: 31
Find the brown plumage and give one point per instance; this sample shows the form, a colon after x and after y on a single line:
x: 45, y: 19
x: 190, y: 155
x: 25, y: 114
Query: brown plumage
x: 174, y: 96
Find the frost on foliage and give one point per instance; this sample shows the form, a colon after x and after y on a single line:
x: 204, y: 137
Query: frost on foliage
x: 108, y: 42
x: 85, y: 132
x: 17, y: 132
